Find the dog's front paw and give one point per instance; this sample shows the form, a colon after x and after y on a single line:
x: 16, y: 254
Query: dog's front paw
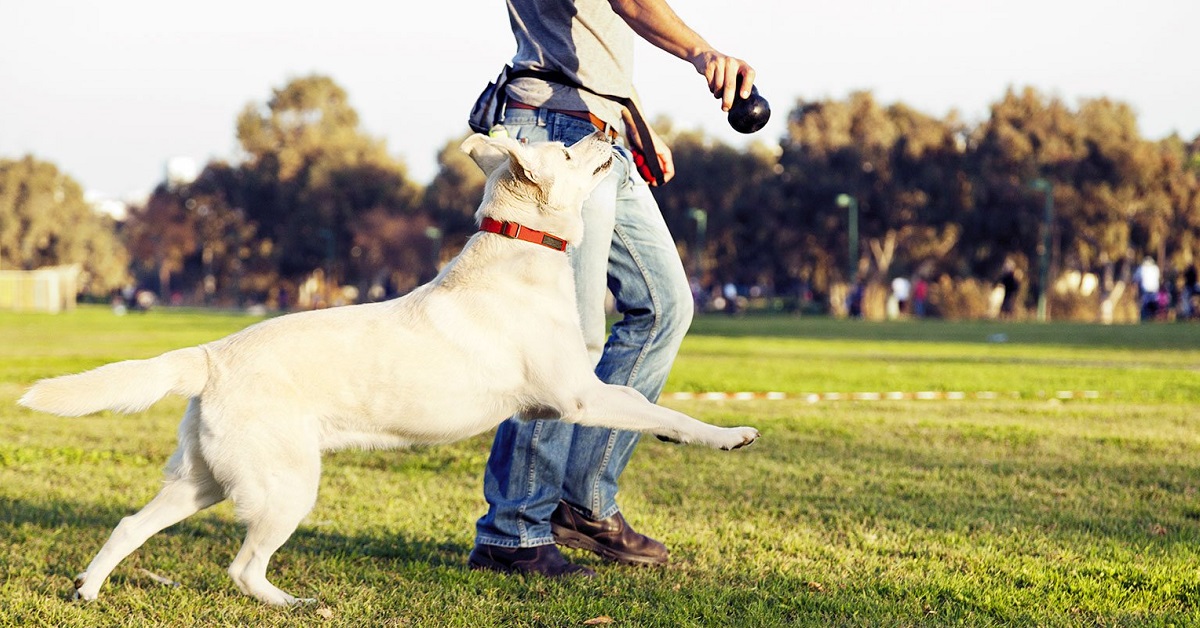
x: 668, y: 439
x: 78, y: 593
x: 739, y: 437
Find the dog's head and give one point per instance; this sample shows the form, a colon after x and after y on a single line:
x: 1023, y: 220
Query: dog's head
x: 541, y: 185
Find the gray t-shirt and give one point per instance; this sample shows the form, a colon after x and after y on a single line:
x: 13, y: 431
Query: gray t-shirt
x: 583, y: 39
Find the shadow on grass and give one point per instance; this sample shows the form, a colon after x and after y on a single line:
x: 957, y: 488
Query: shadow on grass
x: 21, y: 518
x: 677, y: 595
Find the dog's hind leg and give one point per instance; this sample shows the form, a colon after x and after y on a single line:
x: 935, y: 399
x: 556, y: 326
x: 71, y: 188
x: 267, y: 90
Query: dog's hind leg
x: 622, y: 407
x: 273, y: 499
x: 189, y: 489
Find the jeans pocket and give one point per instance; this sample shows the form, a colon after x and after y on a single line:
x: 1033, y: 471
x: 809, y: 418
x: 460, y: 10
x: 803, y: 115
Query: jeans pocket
x: 630, y: 177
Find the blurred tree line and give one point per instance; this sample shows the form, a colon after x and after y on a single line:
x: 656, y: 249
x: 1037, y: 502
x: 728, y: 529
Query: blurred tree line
x: 315, y: 206
x: 45, y: 221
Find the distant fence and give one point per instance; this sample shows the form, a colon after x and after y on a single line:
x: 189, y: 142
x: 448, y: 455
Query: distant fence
x: 51, y: 289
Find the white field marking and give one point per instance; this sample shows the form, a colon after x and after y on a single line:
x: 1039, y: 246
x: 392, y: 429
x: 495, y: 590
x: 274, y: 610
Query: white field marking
x: 923, y: 395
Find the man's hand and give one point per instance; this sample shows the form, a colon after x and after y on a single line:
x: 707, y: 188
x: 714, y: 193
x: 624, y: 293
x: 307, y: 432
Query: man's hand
x: 665, y: 161
x: 661, y: 151
x: 722, y: 72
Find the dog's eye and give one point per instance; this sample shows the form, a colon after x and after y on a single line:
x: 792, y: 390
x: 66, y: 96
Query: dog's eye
x: 567, y: 154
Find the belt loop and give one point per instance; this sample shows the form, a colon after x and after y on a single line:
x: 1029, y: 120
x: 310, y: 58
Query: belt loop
x: 542, y: 115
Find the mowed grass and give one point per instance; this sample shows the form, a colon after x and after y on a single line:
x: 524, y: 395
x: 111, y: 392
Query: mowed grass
x: 1025, y: 510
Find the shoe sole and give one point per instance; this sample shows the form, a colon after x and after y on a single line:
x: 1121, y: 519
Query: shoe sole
x: 488, y: 566
x: 571, y: 538
x: 477, y: 565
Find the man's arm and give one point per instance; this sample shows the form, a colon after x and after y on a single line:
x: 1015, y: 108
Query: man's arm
x: 656, y: 22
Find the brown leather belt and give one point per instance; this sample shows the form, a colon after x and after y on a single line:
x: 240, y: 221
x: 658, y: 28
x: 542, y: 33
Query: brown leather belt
x: 582, y: 115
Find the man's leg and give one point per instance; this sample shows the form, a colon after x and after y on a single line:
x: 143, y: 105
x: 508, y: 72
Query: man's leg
x: 654, y: 299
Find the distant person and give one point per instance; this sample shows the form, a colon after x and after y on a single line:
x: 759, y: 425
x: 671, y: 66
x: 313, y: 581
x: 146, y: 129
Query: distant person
x: 1011, y: 283
x: 1164, y: 298
x: 854, y: 300
x: 730, y: 294
x: 1148, y: 278
x: 920, y: 296
x: 129, y: 294
x: 902, y: 292
x: 699, y: 295
x: 1189, y: 293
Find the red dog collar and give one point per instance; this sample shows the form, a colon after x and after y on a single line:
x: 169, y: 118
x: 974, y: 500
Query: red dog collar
x: 521, y: 232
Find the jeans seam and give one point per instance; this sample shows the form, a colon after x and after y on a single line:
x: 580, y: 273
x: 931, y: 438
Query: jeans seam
x: 608, y: 450
x: 655, y: 303
x: 531, y: 479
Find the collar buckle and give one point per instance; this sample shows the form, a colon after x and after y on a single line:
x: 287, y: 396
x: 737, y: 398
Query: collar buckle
x: 510, y: 230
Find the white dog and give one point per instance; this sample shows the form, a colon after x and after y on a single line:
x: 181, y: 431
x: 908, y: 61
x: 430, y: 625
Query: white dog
x: 496, y: 334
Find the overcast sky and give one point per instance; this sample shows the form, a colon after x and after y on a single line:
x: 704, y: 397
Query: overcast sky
x: 110, y: 90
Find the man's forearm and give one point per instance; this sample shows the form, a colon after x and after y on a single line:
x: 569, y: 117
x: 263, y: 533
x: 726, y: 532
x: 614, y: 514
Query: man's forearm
x: 656, y: 22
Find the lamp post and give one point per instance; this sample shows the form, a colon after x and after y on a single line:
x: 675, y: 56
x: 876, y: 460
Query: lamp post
x: 1046, y: 187
x: 847, y: 201
x: 701, y: 219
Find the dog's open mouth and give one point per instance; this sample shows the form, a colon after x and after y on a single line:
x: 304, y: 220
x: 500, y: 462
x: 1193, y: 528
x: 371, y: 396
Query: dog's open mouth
x: 604, y: 166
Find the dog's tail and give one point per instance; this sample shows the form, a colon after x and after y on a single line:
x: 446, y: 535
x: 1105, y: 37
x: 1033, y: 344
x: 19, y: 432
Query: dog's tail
x: 129, y: 386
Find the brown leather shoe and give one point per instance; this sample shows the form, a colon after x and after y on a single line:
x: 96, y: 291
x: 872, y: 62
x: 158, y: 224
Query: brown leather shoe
x: 611, y: 538
x: 543, y: 559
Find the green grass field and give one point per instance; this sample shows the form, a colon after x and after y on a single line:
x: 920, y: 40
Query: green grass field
x: 1025, y: 510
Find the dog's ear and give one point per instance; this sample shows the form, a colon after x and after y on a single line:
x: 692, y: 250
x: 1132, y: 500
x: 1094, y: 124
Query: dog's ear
x: 490, y: 153
x: 486, y: 154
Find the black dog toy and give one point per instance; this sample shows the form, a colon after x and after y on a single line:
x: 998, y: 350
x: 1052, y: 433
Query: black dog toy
x: 748, y: 115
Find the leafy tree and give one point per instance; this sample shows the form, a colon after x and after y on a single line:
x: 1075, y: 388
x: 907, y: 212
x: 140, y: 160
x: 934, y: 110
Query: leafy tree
x: 310, y: 172
x: 45, y: 221
x: 1027, y: 137
x: 934, y: 196
x: 1113, y: 176
x: 1178, y: 181
x: 714, y: 208
x: 903, y: 168
x: 161, y: 235
x: 1116, y: 195
x: 455, y: 192
x: 235, y: 262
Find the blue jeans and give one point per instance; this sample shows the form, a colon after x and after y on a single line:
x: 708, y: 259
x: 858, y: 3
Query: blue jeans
x: 627, y: 249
